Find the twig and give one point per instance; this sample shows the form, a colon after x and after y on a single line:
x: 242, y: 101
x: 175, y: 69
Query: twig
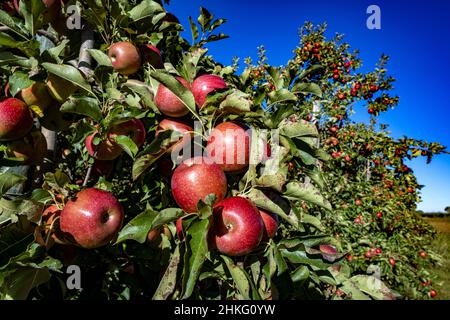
x: 49, y: 36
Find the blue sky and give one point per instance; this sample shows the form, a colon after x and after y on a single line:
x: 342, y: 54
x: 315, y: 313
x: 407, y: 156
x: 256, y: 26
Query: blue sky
x: 415, y: 34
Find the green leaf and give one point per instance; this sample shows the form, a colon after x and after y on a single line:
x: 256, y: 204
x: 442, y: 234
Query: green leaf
x: 373, y: 287
x: 7, y: 58
x: 33, y: 13
x: 194, y: 29
x: 272, y: 204
x: 296, y: 191
x: 195, y: 256
x: 237, y: 102
x: 300, y: 274
x: 300, y: 257
x: 312, y: 70
x: 18, y: 81
x: 9, y: 180
x: 70, y: 74
x: 128, y: 145
x: 144, y: 10
x: 169, y: 280
x: 309, y: 219
x: 85, y: 106
x: 144, y: 92
x: 151, y: 154
x: 8, y: 41
x: 101, y: 58
x: 205, y: 19
x: 183, y: 93
x: 13, y: 240
x: 138, y: 228
x: 307, y: 88
x: 11, y: 209
x: 166, y: 216
x: 8, y: 21
x: 300, y: 128
x: 240, y: 277
x: 18, y: 284
x: 280, y: 96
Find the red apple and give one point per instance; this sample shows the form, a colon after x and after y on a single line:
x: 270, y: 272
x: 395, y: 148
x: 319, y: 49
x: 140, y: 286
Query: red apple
x: 15, y: 119
x: 36, y: 94
x: 109, y: 149
x: 237, y: 227
x: 422, y: 254
x: 152, y: 55
x: 270, y: 224
x: 179, y: 126
x: 31, y: 149
x: 358, y: 202
x: 229, y: 146
x: 168, y: 103
x: 125, y: 57
x: 433, y: 293
x: 92, y: 219
x: 196, y: 178
x: 392, y: 262
x: 204, y: 85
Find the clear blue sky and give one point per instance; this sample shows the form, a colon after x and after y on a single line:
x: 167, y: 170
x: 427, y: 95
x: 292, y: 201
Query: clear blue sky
x: 415, y: 34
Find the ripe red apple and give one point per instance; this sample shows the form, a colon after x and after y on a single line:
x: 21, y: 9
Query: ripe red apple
x: 422, y: 254
x: 92, y: 219
x: 358, y: 202
x: 392, y: 262
x: 229, y: 146
x: 349, y: 258
x: 377, y: 250
x: 379, y: 215
x: 179, y: 126
x: 31, y: 149
x: 196, y: 178
x: 368, y: 254
x: 15, y: 119
x: 152, y: 55
x: 125, y: 57
x: 204, y: 85
x: 36, y: 94
x: 237, y: 227
x: 60, y: 89
x: 433, y: 293
x: 270, y: 224
x: 168, y: 103
x: 357, y: 220
x: 109, y: 149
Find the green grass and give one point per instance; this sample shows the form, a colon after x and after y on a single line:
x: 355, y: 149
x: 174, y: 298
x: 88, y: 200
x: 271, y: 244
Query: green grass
x: 442, y: 246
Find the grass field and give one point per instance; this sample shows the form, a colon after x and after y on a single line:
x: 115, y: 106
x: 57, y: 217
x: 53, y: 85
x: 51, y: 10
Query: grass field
x: 442, y: 246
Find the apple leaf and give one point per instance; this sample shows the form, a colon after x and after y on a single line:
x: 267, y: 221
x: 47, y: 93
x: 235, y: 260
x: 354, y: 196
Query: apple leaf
x: 18, y: 284
x: 85, y: 106
x: 280, y: 96
x: 307, y: 88
x: 300, y: 257
x: 297, y: 129
x: 295, y: 191
x: 183, y: 93
x: 277, y: 206
x: 145, y: 10
x: 138, y: 228
x: 151, y: 154
x: 166, y: 216
x: 144, y: 92
x: 128, y: 145
x: 13, y: 240
x: 373, y: 287
x: 13, y: 208
x: 239, y: 276
x: 18, y: 81
x: 68, y: 73
x: 101, y: 58
x: 8, y: 21
x: 7, y: 57
x: 169, y: 279
x: 312, y: 70
x: 8, y: 41
x: 9, y: 180
x: 300, y: 274
x: 196, y: 253
x: 33, y: 13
